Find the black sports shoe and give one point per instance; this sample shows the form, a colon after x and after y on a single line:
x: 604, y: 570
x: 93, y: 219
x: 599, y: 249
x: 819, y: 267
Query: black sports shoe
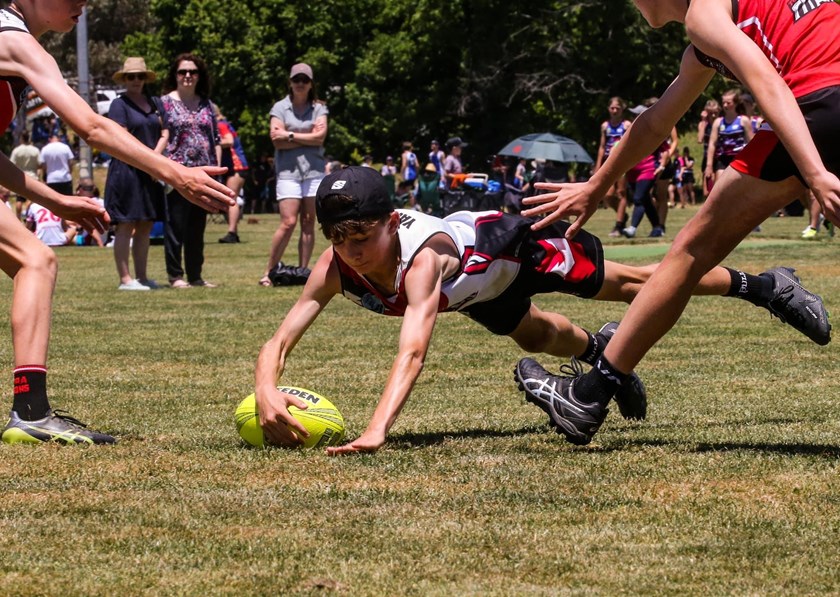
x: 555, y: 395
x: 229, y: 238
x: 286, y: 275
x: 631, y: 397
x: 57, y: 426
x: 797, y: 307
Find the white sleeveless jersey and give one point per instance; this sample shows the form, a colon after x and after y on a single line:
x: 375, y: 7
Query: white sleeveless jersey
x: 482, y: 277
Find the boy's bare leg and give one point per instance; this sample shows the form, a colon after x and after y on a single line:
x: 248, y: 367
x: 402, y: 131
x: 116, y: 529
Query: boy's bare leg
x: 737, y: 204
x: 550, y: 333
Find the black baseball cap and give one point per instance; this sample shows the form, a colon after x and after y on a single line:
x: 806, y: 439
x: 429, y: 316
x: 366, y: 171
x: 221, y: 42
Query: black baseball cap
x: 364, y: 186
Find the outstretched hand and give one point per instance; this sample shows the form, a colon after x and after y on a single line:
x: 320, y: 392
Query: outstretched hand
x: 84, y: 211
x: 198, y: 186
x: 565, y: 199
x: 367, y: 442
x: 278, y: 424
x: 827, y: 191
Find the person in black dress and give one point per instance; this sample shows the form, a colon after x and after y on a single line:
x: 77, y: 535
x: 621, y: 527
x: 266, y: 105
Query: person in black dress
x: 134, y: 199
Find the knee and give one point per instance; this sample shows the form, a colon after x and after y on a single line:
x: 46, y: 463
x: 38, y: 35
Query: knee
x: 42, y: 262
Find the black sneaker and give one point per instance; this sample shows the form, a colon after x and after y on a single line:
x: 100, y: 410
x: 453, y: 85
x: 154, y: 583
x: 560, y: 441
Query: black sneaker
x: 631, y: 397
x: 286, y: 275
x: 229, y: 238
x: 555, y: 395
x: 797, y: 307
x: 57, y: 427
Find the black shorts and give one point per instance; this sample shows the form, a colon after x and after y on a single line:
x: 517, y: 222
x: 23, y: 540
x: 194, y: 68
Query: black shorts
x: 766, y: 158
x: 539, y: 258
x: 722, y: 162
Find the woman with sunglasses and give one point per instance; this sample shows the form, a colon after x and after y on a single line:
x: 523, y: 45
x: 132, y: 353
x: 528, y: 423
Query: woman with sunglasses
x: 134, y: 199
x: 298, y: 128
x: 191, y: 137
x: 30, y: 263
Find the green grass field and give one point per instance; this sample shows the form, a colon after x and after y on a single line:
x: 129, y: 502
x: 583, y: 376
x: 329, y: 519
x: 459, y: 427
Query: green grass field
x: 730, y: 487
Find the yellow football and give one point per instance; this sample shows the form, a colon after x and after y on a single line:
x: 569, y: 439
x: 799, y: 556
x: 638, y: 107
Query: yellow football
x: 322, y: 419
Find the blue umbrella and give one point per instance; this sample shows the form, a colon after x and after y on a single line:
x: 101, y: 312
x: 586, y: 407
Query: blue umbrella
x: 546, y: 146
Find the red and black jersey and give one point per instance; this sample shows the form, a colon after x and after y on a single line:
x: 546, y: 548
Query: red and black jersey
x: 12, y: 89
x: 799, y: 37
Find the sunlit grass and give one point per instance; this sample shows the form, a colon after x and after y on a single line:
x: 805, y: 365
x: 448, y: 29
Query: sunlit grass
x: 730, y: 486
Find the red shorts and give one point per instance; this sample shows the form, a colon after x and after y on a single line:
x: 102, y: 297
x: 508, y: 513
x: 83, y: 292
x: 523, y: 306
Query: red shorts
x: 766, y: 158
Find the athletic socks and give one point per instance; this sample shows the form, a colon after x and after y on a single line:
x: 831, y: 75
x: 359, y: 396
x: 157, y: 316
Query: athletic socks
x: 600, y: 384
x: 596, y: 345
x: 758, y: 290
x: 30, y: 401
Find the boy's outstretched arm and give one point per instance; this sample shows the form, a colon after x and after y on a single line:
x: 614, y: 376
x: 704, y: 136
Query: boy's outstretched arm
x: 647, y: 133
x: 422, y: 282
x: 273, y: 405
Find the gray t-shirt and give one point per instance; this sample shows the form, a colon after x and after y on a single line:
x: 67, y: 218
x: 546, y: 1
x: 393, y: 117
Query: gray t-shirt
x: 301, y: 162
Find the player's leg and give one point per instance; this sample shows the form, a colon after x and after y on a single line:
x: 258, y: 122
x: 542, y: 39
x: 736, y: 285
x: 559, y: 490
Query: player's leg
x: 737, y: 204
x: 32, y: 266
x: 622, y: 282
x: 551, y: 333
x: 140, y: 251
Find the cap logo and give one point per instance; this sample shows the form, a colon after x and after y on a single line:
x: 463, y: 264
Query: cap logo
x: 338, y: 185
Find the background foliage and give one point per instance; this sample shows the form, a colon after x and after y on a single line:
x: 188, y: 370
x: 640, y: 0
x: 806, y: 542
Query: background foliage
x: 487, y: 70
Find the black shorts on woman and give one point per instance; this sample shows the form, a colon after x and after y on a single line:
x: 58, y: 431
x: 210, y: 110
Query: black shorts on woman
x: 766, y: 158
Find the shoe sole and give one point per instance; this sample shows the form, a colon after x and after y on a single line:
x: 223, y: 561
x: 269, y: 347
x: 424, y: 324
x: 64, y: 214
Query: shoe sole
x: 19, y: 436
x: 572, y: 435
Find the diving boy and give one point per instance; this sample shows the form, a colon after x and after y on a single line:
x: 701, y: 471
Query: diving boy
x: 486, y: 265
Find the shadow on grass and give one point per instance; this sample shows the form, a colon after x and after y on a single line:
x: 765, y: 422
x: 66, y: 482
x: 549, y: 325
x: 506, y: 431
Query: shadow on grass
x: 432, y: 438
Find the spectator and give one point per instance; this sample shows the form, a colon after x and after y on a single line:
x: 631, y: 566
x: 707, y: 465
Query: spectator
x: 233, y: 158
x: 388, y: 168
x: 704, y: 133
x: 409, y: 166
x: 48, y: 227
x: 641, y: 179
x: 686, y: 177
x: 298, y: 130
x: 437, y: 157
x: 404, y: 197
x: 367, y: 161
x: 191, y: 138
x: 428, y: 191
x: 27, y: 157
x: 56, y: 166
x: 87, y: 188
x: 134, y: 199
x: 749, y: 107
x: 452, y: 164
x: 262, y: 177
x: 612, y: 130
x: 730, y: 134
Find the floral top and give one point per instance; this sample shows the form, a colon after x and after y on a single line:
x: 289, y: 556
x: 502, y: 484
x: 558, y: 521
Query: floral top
x: 193, y: 135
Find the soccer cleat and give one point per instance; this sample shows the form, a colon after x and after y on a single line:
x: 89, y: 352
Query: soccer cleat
x: 631, y: 397
x: 798, y: 307
x: 57, y: 427
x: 555, y: 395
x: 810, y: 232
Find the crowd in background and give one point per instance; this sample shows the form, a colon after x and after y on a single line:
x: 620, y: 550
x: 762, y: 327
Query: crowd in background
x: 184, y: 124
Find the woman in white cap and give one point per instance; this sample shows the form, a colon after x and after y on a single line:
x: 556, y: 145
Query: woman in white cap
x: 134, y: 199
x: 298, y: 129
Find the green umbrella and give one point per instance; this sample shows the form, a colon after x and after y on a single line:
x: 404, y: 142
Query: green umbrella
x: 546, y: 146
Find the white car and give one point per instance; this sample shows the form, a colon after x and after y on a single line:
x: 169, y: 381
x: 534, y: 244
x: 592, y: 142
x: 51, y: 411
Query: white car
x: 104, y: 97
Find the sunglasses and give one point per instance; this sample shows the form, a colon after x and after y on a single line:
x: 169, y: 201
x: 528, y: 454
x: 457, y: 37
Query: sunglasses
x: 301, y: 79
x: 183, y: 72
x: 135, y: 77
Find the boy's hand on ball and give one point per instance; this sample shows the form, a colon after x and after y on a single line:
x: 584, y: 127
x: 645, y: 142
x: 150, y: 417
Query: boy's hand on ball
x: 277, y: 422
x: 367, y: 442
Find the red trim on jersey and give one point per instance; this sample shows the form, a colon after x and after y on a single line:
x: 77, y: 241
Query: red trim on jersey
x: 799, y: 37
x: 751, y: 160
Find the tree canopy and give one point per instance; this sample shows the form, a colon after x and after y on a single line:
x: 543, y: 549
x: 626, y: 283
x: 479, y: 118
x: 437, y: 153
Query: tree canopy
x: 395, y: 70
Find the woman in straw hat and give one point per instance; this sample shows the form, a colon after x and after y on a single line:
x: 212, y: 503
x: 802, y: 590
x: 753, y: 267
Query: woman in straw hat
x: 134, y: 199
x: 30, y: 263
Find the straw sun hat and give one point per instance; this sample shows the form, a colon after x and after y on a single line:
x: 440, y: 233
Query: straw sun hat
x: 134, y: 65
